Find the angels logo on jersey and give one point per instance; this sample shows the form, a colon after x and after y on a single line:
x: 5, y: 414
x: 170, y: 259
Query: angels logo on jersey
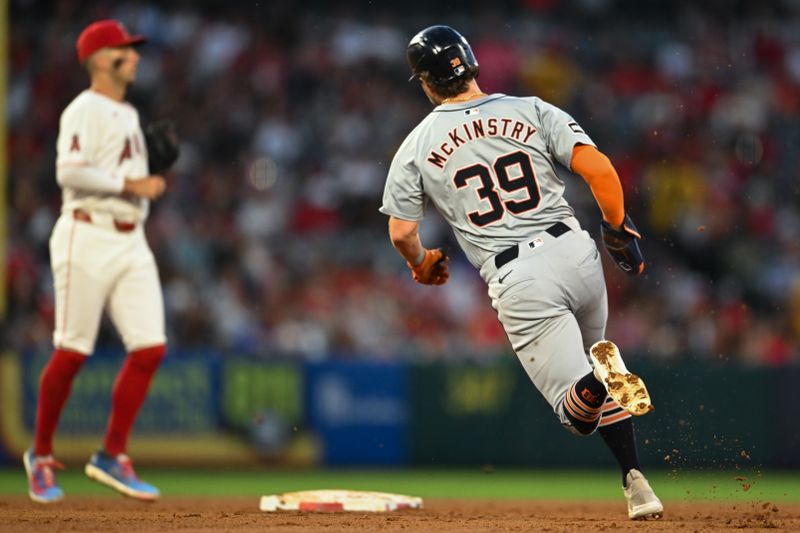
x: 126, y: 152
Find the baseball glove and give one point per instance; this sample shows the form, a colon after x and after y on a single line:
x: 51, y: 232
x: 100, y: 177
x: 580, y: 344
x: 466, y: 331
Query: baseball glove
x: 162, y: 145
x: 433, y: 268
x: 623, y: 246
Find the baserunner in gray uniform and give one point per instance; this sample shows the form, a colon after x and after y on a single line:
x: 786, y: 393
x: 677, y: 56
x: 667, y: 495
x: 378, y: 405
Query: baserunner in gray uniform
x: 488, y: 164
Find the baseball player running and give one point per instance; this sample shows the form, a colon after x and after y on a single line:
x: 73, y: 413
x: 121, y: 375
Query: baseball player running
x: 488, y: 164
x: 100, y: 259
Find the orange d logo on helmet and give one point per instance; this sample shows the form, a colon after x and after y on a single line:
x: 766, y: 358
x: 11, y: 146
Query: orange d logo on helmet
x: 104, y: 34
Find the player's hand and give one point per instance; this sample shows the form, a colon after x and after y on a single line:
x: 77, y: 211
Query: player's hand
x: 150, y: 187
x: 623, y: 246
x: 433, y: 268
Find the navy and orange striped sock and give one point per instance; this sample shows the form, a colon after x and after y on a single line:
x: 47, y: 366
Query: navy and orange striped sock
x: 583, y: 403
x: 611, y: 413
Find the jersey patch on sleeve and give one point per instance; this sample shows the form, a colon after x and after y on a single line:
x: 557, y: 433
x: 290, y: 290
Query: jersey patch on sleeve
x: 75, y: 145
x: 575, y: 128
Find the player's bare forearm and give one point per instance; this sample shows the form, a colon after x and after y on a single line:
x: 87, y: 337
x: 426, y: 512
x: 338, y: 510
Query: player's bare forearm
x: 405, y: 239
x: 596, y: 169
x: 150, y: 187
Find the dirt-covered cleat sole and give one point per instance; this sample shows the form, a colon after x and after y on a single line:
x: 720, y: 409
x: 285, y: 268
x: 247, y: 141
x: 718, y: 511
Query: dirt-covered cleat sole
x: 627, y: 389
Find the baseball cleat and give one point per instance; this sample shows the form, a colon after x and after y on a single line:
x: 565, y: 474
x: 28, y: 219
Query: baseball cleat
x: 42, y: 484
x: 627, y: 389
x: 117, y: 473
x: 642, y: 501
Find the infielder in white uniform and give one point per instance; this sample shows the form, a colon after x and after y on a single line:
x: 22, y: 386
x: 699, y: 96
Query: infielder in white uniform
x: 488, y: 164
x: 101, y: 260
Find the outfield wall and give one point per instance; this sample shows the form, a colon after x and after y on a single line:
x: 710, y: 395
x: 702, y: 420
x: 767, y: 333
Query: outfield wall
x: 206, y: 409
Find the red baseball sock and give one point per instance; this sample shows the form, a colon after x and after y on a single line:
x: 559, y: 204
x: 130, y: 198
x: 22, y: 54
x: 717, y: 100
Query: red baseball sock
x: 54, y: 388
x: 130, y: 390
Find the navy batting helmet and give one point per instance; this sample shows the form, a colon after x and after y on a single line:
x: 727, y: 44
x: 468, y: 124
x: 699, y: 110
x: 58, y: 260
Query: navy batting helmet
x: 442, y: 52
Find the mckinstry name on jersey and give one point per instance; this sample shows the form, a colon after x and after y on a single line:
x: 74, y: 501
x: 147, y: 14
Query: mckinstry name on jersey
x: 478, y: 129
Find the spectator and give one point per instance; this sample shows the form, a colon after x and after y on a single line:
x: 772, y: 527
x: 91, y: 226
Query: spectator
x: 270, y: 241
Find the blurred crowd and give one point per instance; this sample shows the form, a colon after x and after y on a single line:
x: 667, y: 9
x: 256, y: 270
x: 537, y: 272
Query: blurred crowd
x: 269, y: 239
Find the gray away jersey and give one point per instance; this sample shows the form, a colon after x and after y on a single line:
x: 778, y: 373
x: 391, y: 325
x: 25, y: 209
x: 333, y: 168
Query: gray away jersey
x: 489, y: 167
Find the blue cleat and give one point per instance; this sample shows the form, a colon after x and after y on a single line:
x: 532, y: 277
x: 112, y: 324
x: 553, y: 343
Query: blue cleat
x: 42, y: 484
x: 117, y: 472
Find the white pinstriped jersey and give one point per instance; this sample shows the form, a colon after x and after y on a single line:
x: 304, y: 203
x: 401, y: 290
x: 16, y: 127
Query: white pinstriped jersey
x: 100, y: 143
x: 489, y: 167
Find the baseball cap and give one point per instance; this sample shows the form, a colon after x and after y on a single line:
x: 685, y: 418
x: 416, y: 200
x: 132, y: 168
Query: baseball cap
x: 102, y: 34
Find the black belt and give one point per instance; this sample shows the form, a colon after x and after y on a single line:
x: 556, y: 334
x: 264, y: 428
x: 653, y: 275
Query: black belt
x: 509, y: 254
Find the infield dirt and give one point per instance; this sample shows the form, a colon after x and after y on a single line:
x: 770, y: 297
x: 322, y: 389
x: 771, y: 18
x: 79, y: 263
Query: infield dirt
x: 112, y: 514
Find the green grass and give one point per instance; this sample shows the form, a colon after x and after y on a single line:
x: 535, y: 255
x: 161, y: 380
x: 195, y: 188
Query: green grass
x: 469, y: 484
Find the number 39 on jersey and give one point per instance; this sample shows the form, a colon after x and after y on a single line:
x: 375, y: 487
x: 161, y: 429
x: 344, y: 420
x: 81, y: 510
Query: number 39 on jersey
x: 494, y: 186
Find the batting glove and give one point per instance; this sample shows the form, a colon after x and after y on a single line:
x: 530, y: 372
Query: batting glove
x: 433, y: 268
x: 623, y: 246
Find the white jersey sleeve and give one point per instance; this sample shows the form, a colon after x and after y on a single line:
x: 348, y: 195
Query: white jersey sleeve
x: 81, y: 131
x: 561, y: 132
x: 403, y: 194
